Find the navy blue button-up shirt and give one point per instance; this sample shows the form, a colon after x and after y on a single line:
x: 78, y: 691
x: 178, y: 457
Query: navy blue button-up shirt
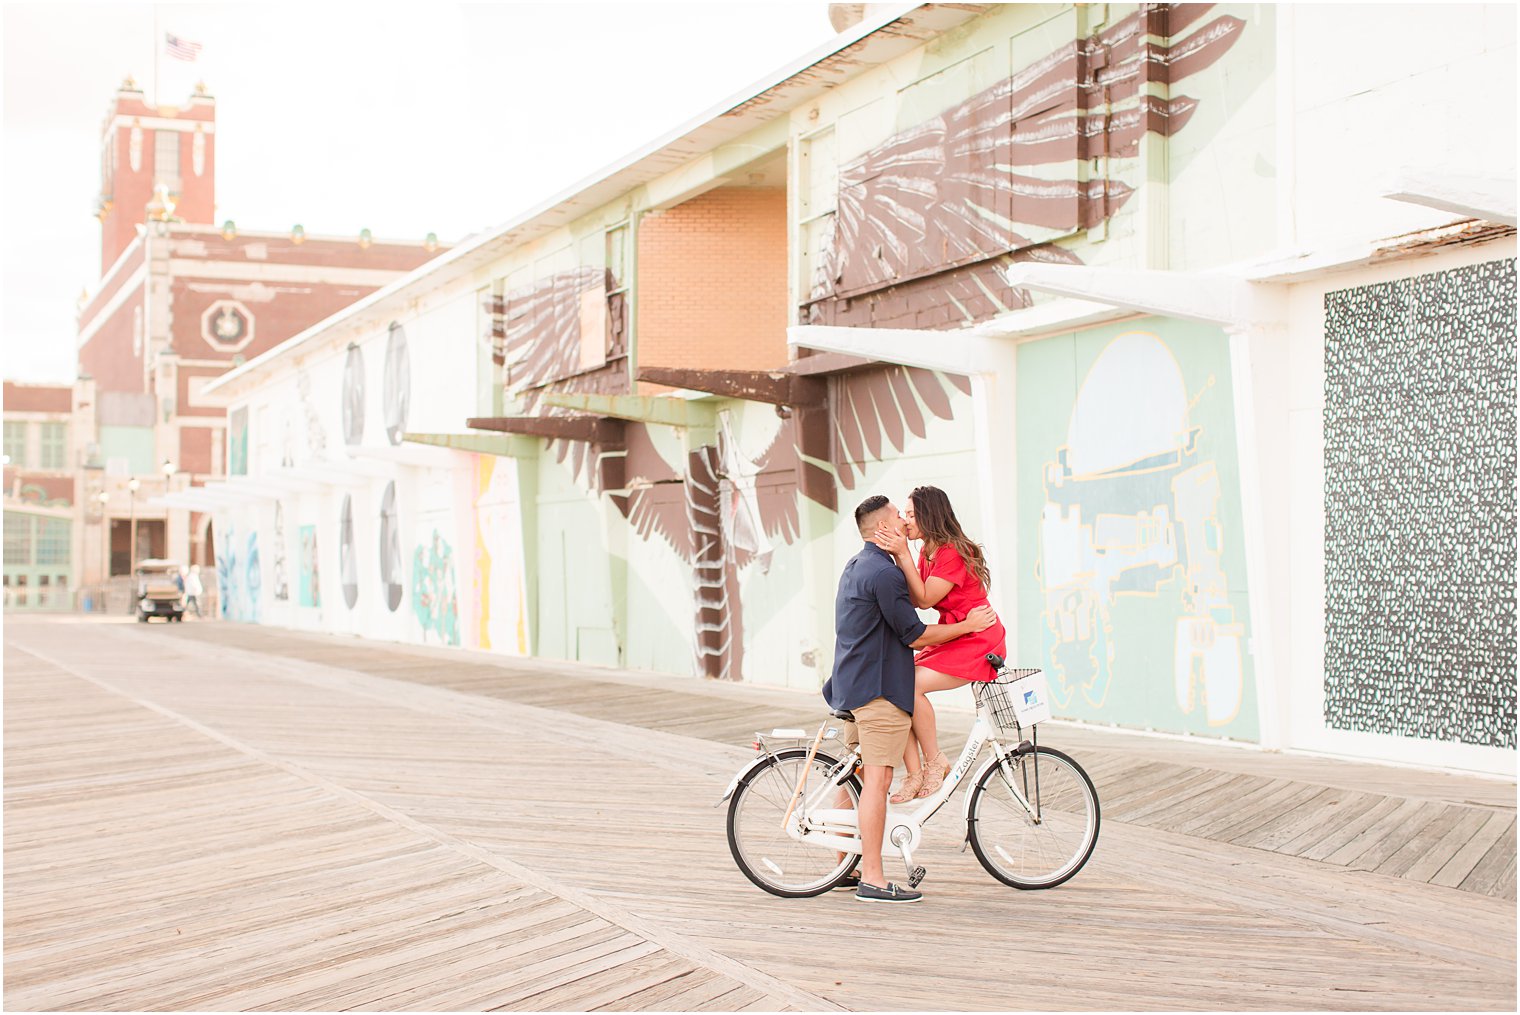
x: 874, y: 623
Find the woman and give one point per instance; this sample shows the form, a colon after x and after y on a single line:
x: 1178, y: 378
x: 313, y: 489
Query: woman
x: 951, y: 575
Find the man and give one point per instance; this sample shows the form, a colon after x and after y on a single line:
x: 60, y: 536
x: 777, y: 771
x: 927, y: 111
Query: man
x: 876, y: 631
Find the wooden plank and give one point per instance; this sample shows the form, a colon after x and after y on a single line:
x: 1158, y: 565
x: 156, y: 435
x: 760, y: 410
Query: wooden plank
x: 1351, y: 808
x: 1352, y: 829
x: 1397, y: 862
x: 1458, y: 835
x: 479, y: 778
x: 1456, y: 870
x: 1424, y: 815
x: 1487, y: 875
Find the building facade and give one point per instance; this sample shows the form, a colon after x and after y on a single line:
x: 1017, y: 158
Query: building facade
x: 181, y: 300
x: 40, y: 496
x: 1235, y: 427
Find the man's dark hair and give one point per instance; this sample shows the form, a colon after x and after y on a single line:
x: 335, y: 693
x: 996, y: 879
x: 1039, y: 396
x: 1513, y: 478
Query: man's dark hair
x: 867, y: 508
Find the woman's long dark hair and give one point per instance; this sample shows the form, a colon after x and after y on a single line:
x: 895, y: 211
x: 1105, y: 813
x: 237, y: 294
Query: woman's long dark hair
x: 937, y: 523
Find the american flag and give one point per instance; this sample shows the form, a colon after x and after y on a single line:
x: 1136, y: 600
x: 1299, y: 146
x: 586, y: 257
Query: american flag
x: 181, y: 49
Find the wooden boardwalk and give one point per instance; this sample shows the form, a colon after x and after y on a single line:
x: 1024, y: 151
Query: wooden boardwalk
x: 224, y: 817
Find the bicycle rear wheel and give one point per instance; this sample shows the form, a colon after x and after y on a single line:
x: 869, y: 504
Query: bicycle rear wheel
x: 768, y: 856
x: 1028, y: 851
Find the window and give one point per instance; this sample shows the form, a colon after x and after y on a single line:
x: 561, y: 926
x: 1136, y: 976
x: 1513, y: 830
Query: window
x: 54, y: 446
x: 52, y: 542
x: 18, y: 540
x: 166, y: 159
x: 818, y: 174
x: 617, y: 257
x: 15, y: 443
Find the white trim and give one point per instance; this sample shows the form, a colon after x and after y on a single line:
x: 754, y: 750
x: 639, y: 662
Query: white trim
x: 419, y: 455
x: 1271, y: 729
x: 127, y: 291
x: 1196, y: 296
x: 100, y: 286
x: 185, y: 269
x: 184, y: 126
x: 1486, y: 197
x: 352, y: 239
x: 208, y: 336
x: 958, y: 352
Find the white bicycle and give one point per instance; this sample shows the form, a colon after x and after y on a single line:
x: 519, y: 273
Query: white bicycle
x: 1031, y: 815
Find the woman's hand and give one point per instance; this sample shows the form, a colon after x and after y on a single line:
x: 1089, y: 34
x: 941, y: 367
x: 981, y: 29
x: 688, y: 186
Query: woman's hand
x: 891, y: 540
x: 981, y: 618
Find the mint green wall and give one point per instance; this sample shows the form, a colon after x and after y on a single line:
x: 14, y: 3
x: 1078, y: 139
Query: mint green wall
x: 134, y: 443
x: 1132, y: 591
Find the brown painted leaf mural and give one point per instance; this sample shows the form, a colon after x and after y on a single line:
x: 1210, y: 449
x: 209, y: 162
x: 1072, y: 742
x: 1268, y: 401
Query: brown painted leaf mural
x: 1001, y: 173
x: 565, y: 332
x: 876, y: 409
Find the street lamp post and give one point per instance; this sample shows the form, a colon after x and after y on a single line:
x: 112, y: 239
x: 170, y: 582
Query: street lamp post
x: 132, y: 486
x: 105, y: 544
x: 168, y: 469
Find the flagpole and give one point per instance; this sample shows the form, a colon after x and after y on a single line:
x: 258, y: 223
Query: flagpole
x: 155, y: 56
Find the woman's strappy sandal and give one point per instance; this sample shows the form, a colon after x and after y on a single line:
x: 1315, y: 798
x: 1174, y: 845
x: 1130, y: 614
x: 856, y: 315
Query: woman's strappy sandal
x: 934, y: 774
x: 911, y: 788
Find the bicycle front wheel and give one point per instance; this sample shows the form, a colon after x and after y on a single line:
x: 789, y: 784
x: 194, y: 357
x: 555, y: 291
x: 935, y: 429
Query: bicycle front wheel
x: 768, y: 856
x: 1041, y: 845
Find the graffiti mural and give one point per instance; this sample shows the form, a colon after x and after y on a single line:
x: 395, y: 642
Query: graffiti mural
x: 925, y: 218
x: 390, y: 548
x: 348, y: 555
x: 733, y: 511
x: 1130, y: 520
x: 565, y: 332
x: 238, y: 579
x: 237, y: 442
x: 499, y: 599
x: 1420, y: 506
x: 396, y: 388
x: 876, y: 411
x: 281, y: 584
x: 435, y: 598
x: 353, y: 397
x: 309, y: 587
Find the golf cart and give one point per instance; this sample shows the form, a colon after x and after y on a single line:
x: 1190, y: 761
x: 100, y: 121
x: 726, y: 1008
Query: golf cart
x: 158, y: 595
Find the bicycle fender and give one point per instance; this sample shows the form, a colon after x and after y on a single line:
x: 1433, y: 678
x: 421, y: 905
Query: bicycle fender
x: 976, y: 779
x: 742, y: 776
x: 761, y: 759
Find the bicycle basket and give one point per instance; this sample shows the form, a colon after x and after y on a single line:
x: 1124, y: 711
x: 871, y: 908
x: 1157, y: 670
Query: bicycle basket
x: 1017, y: 698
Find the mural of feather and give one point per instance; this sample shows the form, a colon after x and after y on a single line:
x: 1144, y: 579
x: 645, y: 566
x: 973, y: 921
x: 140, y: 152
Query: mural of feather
x: 876, y: 408
x: 920, y: 216
x: 565, y: 332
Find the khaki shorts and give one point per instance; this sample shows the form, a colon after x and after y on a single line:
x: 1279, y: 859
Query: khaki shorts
x: 880, y: 730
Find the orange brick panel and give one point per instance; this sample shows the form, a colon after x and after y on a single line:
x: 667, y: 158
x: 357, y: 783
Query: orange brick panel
x: 712, y: 282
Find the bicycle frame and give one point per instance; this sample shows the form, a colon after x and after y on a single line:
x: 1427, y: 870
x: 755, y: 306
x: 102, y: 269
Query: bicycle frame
x: 827, y: 827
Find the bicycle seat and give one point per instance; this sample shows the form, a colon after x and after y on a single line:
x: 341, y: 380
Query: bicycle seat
x: 843, y: 714
x: 995, y: 659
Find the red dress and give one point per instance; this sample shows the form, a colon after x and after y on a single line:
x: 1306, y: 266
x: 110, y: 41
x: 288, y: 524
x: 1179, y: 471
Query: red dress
x: 965, y: 657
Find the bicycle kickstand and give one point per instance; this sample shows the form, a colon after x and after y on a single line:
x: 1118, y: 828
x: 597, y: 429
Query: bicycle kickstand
x: 901, y: 839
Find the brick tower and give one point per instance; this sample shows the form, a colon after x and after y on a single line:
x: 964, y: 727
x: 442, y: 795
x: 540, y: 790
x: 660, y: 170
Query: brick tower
x: 143, y: 147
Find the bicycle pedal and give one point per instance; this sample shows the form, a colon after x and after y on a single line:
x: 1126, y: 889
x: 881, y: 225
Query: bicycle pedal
x: 916, y: 877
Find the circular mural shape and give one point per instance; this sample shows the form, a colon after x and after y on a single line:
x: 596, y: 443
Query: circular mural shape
x: 348, y: 559
x: 353, y: 396
x: 396, y: 392
x: 390, y: 547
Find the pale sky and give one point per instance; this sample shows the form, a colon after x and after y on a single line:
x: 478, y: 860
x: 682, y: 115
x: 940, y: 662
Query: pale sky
x: 405, y: 118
